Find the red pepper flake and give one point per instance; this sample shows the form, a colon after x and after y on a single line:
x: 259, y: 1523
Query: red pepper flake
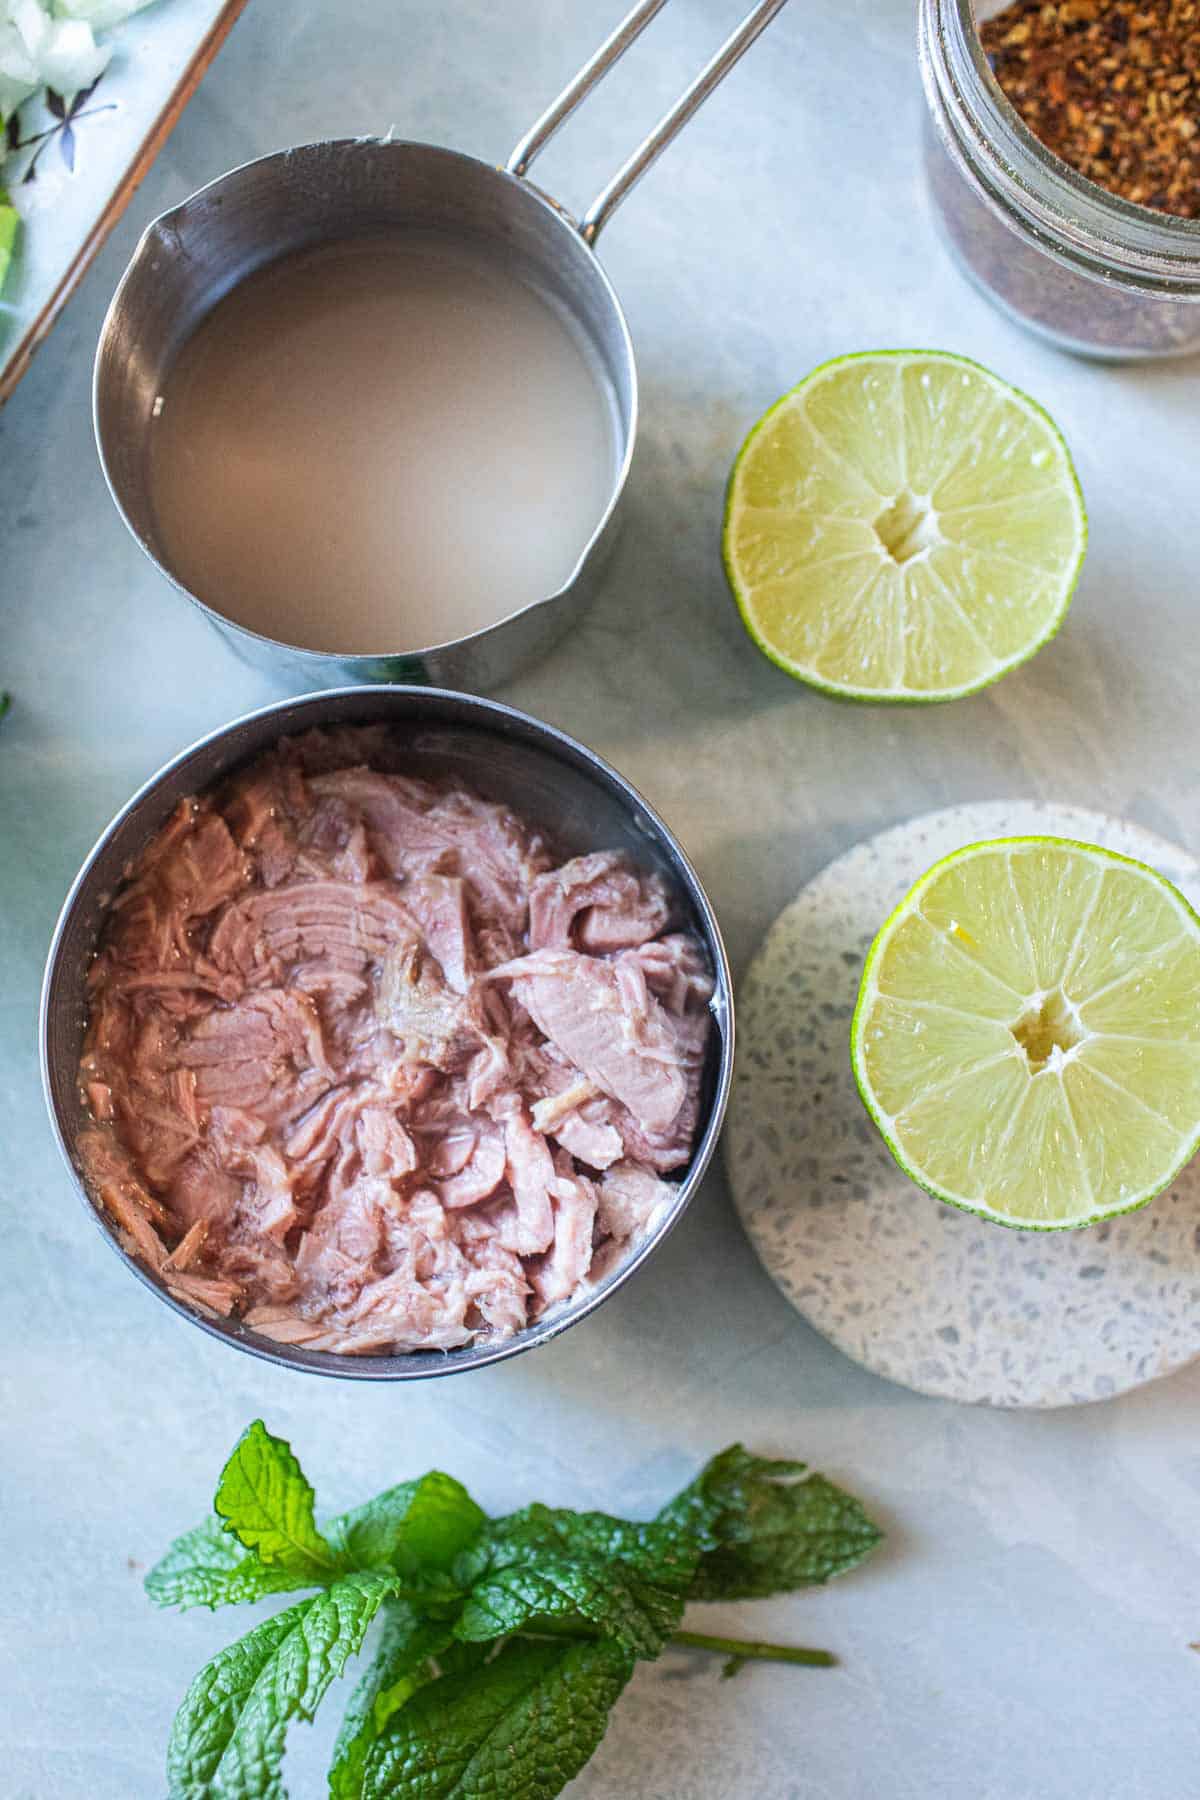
x: 1111, y: 86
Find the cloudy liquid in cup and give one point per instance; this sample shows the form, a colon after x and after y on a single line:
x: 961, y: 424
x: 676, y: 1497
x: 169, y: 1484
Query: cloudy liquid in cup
x: 379, y: 445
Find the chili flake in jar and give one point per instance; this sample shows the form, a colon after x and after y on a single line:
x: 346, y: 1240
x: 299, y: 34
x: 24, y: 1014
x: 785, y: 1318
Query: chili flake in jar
x: 1071, y: 208
x: 1111, y: 86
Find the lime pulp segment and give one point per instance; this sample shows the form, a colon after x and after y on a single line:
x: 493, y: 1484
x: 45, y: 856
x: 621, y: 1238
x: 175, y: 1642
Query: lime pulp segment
x: 1027, y: 1034
x: 903, y: 525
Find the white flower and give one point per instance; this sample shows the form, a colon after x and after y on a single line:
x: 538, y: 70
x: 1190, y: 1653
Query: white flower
x: 52, y: 44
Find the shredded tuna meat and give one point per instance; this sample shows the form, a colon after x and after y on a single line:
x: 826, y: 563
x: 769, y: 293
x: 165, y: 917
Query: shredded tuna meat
x: 370, y: 1070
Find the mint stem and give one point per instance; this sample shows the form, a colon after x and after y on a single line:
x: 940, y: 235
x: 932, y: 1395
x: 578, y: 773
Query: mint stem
x: 738, y: 1651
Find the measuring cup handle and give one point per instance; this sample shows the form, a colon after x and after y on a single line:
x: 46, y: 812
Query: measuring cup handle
x: 669, y: 126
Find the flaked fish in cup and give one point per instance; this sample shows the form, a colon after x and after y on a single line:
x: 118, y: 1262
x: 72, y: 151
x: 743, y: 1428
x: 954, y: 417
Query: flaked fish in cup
x: 376, y: 1064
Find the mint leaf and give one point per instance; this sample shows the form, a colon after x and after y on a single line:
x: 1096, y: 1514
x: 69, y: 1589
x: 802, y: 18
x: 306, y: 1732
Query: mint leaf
x: 212, y: 1707
x: 519, y: 1728
x: 463, y: 1659
x: 207, y: 1567
x: 628, y: 1582
x: 402, y: 1664
x: 228, y: 1737
x: 268, y: 1504
x: 420, y: 1523
x: 766, y: 1527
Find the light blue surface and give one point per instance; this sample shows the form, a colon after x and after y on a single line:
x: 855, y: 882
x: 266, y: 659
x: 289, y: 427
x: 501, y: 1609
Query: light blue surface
x: 1025, y: 1632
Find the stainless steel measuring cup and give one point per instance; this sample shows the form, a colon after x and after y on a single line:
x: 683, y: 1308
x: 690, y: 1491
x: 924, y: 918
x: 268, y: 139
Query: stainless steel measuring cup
x: 191, y: 256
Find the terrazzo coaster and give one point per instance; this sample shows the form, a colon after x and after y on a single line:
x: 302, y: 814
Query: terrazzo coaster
x: 911, y: 1288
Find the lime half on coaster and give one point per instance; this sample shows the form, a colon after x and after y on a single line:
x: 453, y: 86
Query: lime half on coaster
x: 903, y: 526
x: 1027, y: 1034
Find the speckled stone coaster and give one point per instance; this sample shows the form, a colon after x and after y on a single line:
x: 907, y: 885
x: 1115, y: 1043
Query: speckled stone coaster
x: 907, y: 1286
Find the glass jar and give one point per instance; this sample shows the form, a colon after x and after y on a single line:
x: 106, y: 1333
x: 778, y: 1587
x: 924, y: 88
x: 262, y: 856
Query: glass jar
x: 1091, y: 272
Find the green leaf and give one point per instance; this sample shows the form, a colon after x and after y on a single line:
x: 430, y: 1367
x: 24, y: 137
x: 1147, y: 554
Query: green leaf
x: 425, y: 1523
x: 767, y: 1527
x: 10, y: 226
x: 402, y: 1664
x: 213, y: 1706
x: 628, y: 1582
x: 227, y: 1741
x: 462, y: 1659
x: 442, y: 1711
x: 268, y: 1504
x: 518, y: 1729
x: 207, y: 1567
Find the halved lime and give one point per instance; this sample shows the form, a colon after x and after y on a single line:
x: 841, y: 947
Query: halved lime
x: 1027, y: 1034
x: 903, y: 526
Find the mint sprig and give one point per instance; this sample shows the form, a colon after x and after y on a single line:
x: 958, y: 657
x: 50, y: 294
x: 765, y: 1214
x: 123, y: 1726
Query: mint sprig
x: 505, y: 1642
